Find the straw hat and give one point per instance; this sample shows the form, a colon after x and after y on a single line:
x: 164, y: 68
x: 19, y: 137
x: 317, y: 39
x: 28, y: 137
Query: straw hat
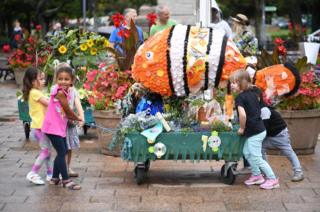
x: 241, y: 19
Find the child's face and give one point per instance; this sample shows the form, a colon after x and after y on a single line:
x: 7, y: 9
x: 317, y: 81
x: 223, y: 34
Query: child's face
x: 64, y: 80
x: 39, y: 82
x: 234, y: 87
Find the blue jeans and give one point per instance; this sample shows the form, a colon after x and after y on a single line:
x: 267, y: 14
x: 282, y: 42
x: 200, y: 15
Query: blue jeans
x: 282, y: 142
x: 59, y: 165
x: 252, y: 152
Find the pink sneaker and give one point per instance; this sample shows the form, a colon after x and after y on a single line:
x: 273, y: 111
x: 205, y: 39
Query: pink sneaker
x: 254, y: 180
x: 270, y: 184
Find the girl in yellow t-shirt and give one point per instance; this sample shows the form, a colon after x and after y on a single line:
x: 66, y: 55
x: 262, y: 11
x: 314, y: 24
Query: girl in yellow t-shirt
x: 33, y: 81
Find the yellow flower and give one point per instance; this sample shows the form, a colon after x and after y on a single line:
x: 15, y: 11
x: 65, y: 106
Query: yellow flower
x: 93, y: 51
x: 62, y: 49
x: 106, y: 43
x: 83, y: 47
x: 90, y: 43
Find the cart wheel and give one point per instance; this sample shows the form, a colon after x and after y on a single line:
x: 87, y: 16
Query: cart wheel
x: 230, y: 178
x: 26, y: 127
x: 140, y: 174
x: 85, y: 129
x: 147, y: 165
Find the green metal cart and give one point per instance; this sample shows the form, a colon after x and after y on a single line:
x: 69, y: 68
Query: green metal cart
x: 184, y: 146
x: 23, y: 109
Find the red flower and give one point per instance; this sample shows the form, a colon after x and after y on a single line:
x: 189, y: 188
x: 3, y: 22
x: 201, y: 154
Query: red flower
x: 17, y: 37
x: 118, y: 19
x: 278, y: 41
x: 282, y: 50
x: 38, y: 27
x: 152, y: 17
x: 6, y: 48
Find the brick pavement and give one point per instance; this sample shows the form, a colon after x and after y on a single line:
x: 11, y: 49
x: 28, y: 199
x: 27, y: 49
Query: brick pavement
x: 108, y: 183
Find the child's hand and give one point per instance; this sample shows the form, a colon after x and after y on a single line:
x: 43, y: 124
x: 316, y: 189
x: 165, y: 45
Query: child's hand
x: 240, y: 131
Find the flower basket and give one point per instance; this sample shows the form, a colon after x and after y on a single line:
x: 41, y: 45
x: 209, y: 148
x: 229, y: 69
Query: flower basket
x: 107, y: 119
x: 18, y: 75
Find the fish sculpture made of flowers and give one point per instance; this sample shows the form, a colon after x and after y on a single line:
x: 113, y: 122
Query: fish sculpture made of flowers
x: 184, y: 60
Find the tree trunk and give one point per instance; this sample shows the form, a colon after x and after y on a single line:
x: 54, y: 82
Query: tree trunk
x: 259, y: 25
x: 315, y: 11
x: 295, y: 18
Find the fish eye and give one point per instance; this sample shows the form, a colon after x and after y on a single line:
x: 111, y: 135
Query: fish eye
x: 149, y: 55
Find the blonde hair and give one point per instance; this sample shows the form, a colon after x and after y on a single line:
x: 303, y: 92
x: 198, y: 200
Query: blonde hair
x: 238, y: 28
x: 242, y: 78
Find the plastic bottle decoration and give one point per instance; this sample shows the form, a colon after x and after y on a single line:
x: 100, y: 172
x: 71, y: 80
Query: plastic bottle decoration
x: 214, y: 141
x: 152, y: 133
x: 204, y: 139
x: 151, y: 149
x: 163, y: 121
x: 160, y: 149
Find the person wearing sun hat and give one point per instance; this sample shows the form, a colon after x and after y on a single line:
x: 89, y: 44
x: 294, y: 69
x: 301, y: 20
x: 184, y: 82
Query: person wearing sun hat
x: 243, y: 36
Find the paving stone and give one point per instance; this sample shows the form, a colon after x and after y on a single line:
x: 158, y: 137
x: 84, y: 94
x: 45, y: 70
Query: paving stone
x: 254, y: 205
x: 311, y: 199
x: 40, y: 206
x: 154, y: 205
x: 173, y: 199
x: 302, y: 207
x: 74, y: 206
x: 207, y: 206
x: 13, y: 199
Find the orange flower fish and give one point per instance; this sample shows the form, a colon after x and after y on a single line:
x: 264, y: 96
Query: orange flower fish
x: 186, y: 59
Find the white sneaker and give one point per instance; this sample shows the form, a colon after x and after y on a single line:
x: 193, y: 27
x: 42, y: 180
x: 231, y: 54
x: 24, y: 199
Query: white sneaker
x: 34, y: 178
x: 49, y: 177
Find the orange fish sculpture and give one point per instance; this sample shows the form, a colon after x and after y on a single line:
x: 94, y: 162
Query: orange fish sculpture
x: 183, y: 60
x: 278, y: 80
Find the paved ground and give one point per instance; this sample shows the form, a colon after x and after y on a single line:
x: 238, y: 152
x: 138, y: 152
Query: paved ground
x: 108, y: 183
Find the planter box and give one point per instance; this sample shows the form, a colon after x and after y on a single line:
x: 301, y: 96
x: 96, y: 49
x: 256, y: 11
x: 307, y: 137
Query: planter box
x: 107, y: 119
x: 304, y: 129
x: 18, y: 75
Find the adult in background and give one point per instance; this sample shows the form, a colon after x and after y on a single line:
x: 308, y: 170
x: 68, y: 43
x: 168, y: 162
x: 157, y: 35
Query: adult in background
x: 243, y: 36
x: 216, y: 20
x: 164, y: 20
x: 17, y: 34
x: 116, y: 39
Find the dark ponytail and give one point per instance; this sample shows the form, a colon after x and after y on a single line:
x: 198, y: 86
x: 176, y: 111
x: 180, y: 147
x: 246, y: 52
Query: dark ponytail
x: 30, y: 75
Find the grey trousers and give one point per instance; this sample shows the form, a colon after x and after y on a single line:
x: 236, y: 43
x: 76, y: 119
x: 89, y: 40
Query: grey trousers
x: 282, y: 142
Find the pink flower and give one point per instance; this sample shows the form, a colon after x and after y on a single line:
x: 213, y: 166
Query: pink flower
x: 91, y: 75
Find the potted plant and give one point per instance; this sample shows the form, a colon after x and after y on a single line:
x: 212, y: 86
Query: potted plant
x: 32, y: 51
x: 106, y: 87
x: 302, y: 110
x: 83, y: 50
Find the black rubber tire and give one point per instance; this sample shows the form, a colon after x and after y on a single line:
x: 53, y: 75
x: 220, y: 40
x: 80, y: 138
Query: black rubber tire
x: 26, y: 127
x: 140, y: 175
x: 230, y: 178
x: 147, y: 165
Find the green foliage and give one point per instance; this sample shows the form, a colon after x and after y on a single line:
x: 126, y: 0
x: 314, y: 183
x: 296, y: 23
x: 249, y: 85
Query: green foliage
x: 100, y: 105
x: 219, y: 126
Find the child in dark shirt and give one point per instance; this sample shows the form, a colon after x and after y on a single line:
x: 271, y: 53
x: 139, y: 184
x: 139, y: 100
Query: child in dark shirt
x: 278, y: 136
x: 252, y: 127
